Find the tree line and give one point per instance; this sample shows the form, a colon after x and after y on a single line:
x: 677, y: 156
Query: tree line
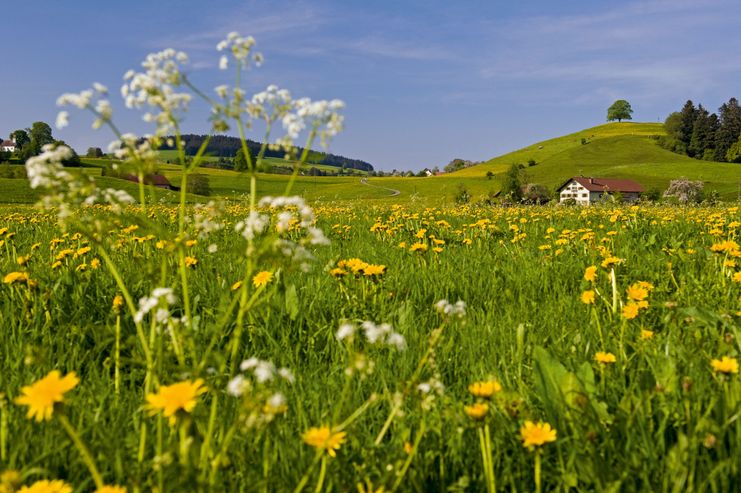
x: 694, y: 131
x: 226, y: 146
x: 29, y: 141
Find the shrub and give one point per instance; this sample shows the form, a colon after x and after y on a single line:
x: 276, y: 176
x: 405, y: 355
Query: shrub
x: 198, y: 184
x: 463, y: 196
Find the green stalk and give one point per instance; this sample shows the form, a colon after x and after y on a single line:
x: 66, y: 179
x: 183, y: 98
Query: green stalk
x: 537, y: 471
x: 491, y: 485
x: 410, y: 457
x: 3, y: 430
x: 117, y: 358
x: 87, y: 458
x: 322, y: 473
x: 206, y: 447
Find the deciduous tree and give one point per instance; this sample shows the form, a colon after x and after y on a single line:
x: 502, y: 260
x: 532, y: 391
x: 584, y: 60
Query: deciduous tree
x: 620, y: 110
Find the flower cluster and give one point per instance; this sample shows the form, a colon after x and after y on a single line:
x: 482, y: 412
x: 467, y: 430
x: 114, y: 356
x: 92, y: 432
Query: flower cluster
x: 383, y: 334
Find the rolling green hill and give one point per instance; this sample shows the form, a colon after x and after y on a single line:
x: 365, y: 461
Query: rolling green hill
x: 614, y: 150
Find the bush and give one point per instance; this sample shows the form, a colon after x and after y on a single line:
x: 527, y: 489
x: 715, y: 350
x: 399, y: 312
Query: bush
x: 463, y: 196
x: 198, y: 184
x: 534, y: 193
x: 531, y: 162
x: 685, y: 191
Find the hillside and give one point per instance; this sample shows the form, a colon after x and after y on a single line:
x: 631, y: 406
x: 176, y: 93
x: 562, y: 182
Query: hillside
x: 625, y: 150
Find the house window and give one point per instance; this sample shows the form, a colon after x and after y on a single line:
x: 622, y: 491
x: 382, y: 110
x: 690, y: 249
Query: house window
x: 584, y: 195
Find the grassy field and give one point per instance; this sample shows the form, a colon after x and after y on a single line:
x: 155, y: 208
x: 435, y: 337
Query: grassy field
x: 624, y: 359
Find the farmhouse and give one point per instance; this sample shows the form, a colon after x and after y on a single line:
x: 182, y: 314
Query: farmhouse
x: 7, y: 146
x: 587, y: 191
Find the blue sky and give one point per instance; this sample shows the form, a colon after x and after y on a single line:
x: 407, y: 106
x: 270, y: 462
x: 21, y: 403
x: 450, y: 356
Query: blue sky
x: 425, y: 81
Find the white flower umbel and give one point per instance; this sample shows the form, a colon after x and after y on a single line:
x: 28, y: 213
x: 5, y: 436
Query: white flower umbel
x: 161, y: 297
x: 452, y: 310
x: 382, y: 334
x: 240, y: 48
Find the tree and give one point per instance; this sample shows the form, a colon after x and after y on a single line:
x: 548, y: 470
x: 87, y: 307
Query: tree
x: 240, y: 162
x: 21, y: 139
x: 512, y: 185
x: 729, y: 128
x: 40, y: 136
x: 95, y: 152
x: 197, y: 183
x: 685, y: 191
x: 620, y: 110
x: 703, y: 133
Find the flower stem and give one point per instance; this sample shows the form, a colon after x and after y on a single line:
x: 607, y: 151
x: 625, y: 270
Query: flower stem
x: 84, y: 452
x: 537, y: 471
x: 322, y: 473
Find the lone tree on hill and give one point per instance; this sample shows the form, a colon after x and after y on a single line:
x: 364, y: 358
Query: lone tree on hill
x: 620, y: 110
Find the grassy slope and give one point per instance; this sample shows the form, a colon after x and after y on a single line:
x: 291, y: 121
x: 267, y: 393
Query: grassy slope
x: 620, y: 150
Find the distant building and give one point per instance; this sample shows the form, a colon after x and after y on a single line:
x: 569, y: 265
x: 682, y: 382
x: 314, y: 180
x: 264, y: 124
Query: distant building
x: 587, y: 191
x: 8, y: 146
x: 427, y: 172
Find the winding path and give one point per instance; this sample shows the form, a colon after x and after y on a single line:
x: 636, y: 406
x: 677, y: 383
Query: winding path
x: 394, y: 192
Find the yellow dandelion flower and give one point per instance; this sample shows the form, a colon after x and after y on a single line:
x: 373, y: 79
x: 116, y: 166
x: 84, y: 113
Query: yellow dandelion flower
x: 437, y: 249
x: 338, y: 272
x: 485, y: 389
x: 82, y: 251
x: 161, y: 244
x: 374, y: 270
x: 590, y: 274
x: 117, y: 303
x: 94, y: 263
x: 262, y: 279
x: 236, y: 285
x: 737, y: 277
x: 46, y: 486
x: 402, y: 244
x: 647, y: 334
x: 610, y: 261
x: 190, y: 243
x: 191, y: 261
x: 587, y: 297
x: 636, y: 292
x: 170, y: 399
x: 111, y: 489
x: 23, y: 260
x: 477, y: 411
x: 536, y: 434
x: 725, y: 365
x: 630, y: 311
x: 10, y: 479
x: 42, y: 395
x: 322, y: 438
x: 418, y: 247
x: 604, y: 358
x: 19, y: 277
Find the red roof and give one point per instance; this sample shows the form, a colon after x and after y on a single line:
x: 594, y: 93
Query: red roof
x: 8, y: 143
x: 605, y: 184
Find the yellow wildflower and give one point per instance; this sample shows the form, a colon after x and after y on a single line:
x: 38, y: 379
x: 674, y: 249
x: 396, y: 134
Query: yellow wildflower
x: 604, y: 358
x: 485, y: 389
x: 374, y: 270
x: 262, y: 279
x: 236, y: 285
x: 590, y: 274
x: 477, y: 411
x: 42, y: 395
x: 646, y: 334
x: 536, y: 434
x: 190, y: 261
x: 111, y: 489
x: 630, y: 311
x: 725, y: 365
x: 418, y: 247
x: 587, y: 297
x: 23, y: 260
x: 323, y: 438
x: 19, y: 277
x: 117, y: 303
x: 46, y: 486
x: 170, y: 399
